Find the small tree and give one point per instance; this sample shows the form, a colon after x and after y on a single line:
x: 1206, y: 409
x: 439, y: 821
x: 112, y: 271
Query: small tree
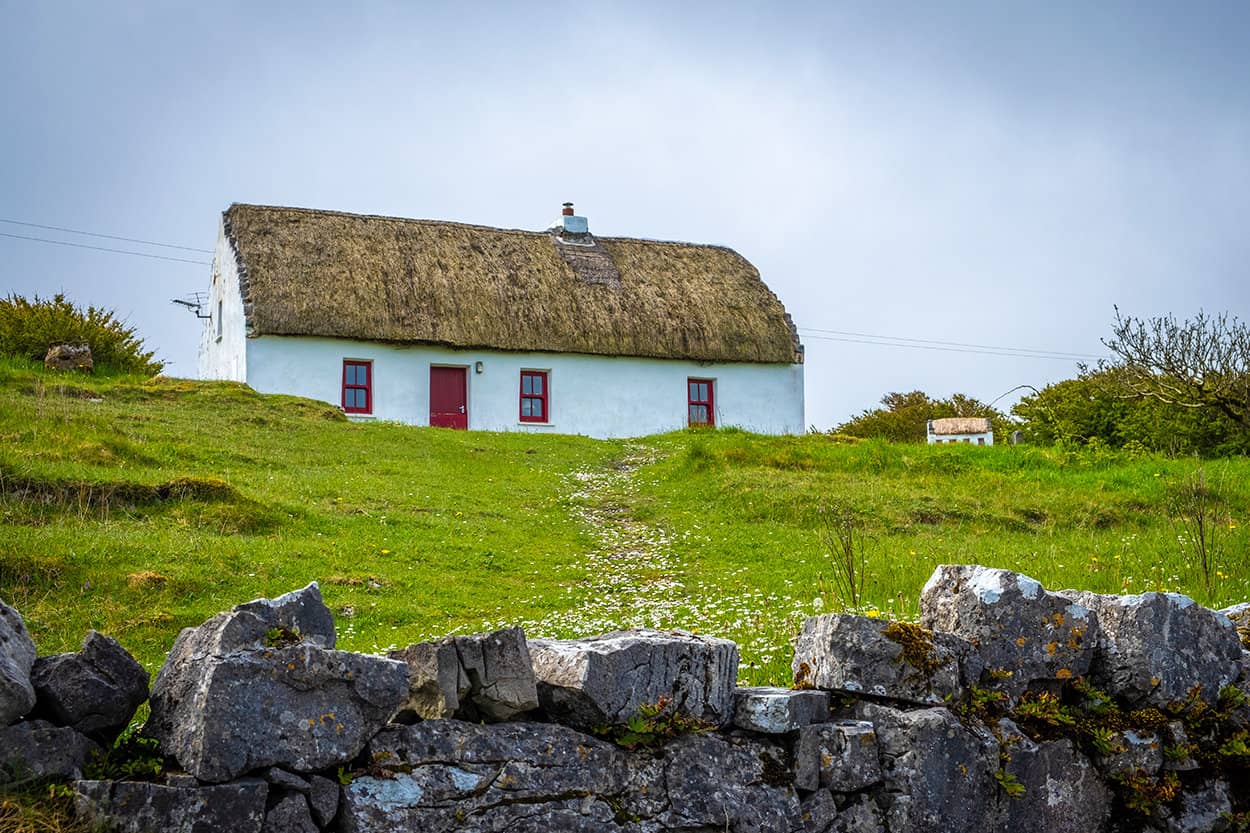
x: 1200, y: 364
x: 29, y: 327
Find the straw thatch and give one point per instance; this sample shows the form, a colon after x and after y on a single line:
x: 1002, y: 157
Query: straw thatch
x: 326, y: 273
x: 961, y: 425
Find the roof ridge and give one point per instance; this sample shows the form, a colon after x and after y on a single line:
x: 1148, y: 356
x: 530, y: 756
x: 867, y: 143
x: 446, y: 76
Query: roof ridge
x: 461, y: 224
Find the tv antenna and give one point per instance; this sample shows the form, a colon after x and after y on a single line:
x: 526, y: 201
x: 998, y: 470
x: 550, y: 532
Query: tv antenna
x: 194, y: 302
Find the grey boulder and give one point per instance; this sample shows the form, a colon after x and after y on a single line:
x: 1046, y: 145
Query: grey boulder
x: 841, y: 756
x: 1155, y: 647
x: 290, y: 814
x: 37, y: 749
x: 17, y: 655
x: 260, y: 686
x: 140, y: 807
x: 1028, y: 637
x: 897, y: 660
x: 450, y: 775
x: 938, y: 774
x: 484, y: 676
x: 775, y: 711
x: 607, y: 679
x: 447, y: 775
x: 1063, y: 792
x: 95, y: 690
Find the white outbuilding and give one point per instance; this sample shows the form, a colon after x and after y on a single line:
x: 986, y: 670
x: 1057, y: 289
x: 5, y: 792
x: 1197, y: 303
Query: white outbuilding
x: 446, y: 324
x: 976, y: 430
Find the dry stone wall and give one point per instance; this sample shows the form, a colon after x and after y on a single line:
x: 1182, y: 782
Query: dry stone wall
x: 1008, y: 708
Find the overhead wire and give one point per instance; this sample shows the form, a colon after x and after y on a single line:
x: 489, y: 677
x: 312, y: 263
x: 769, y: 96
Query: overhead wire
x: 105, y: 236
x: 1061, y: 357
x: 105, y: 249
x: 951, y: 343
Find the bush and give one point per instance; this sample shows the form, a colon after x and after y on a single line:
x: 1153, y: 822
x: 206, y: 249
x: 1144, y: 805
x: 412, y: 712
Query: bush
x: 29, y: 328
x: 904, y: 417
x: 1098, y: 408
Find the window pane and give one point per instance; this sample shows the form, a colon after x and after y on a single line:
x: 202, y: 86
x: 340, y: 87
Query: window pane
x: 527, y: 383
x: 538, y: 409
x: 694, y: 392
x: 525, y: 407
x: 703, y: 392
x: 361, y: 399
x: 538, y: 385
x: 349, y: 374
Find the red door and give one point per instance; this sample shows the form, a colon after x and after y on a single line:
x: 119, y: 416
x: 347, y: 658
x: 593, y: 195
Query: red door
x: 448, y: 403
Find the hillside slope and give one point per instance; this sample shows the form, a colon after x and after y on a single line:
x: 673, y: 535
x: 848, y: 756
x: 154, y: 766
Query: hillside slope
x: 138, y: 507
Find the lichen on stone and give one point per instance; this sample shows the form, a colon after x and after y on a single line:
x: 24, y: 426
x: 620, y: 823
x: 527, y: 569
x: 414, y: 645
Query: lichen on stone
x: 917, y: 644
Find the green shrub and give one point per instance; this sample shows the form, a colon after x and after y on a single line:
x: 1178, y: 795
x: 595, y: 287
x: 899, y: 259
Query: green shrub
x: 29, y: 327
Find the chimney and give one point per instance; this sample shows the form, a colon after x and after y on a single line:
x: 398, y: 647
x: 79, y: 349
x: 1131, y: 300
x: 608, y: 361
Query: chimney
x: 570, y: 225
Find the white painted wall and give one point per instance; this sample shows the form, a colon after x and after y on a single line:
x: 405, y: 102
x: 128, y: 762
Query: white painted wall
x: 938, y: 439
x: 599, y: 396
x: 224, y: 356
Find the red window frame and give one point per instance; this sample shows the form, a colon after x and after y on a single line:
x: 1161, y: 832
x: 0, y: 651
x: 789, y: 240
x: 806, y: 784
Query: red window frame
x: 355, y: 386
x: 539, y: 394
x: 700, y: 393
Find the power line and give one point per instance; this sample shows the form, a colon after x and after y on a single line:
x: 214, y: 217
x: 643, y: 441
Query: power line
x: 1011, y: 350
x: 106, y: 236
x: 1037, y: 355
x: 105, y: 249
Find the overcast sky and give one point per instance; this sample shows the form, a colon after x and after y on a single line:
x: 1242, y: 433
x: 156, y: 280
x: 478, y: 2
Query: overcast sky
x: 985, y: 173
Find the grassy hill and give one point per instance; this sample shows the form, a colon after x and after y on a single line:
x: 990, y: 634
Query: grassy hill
x: 139, y: 507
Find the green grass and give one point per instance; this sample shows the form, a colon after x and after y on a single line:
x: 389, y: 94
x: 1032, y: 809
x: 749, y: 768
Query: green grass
x: 139, y: 507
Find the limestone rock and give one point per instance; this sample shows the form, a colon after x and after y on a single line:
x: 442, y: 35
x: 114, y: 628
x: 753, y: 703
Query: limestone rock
x: 1132, y: 751
x: 37, y: 749
x: 95, y: 690
x: 436, y: 681
x: 140, y: 807
x: 259, y: 686
x: 17, y: 655
x: 838, y: 756
x: 1238, y: 614
x: 485, y: 676
x: 723, y: 783
x: 1062, y: 791
x: 937, y: 773
x: 290, y: 815
x: 1202, y: 810
x: 856, y: 654
x: 1028, y: 637
x: 776, y: 711
x: 69, y: 357
x: 819, y: 812
x: 605, y: 679
x: 451, y: 775
x: 323, y: 799
x: 1156, y: 646
x: 861, y: 815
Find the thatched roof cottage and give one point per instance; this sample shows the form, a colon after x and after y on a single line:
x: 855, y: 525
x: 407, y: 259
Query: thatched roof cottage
x: 440, y: 323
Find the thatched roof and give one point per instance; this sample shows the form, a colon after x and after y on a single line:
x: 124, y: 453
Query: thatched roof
x: 961, y: 425
x: 326, y: 273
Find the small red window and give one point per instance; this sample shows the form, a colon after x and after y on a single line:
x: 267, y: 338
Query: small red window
x: 357, y: 387
x: 702, y: 410
x: 534, y: 394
